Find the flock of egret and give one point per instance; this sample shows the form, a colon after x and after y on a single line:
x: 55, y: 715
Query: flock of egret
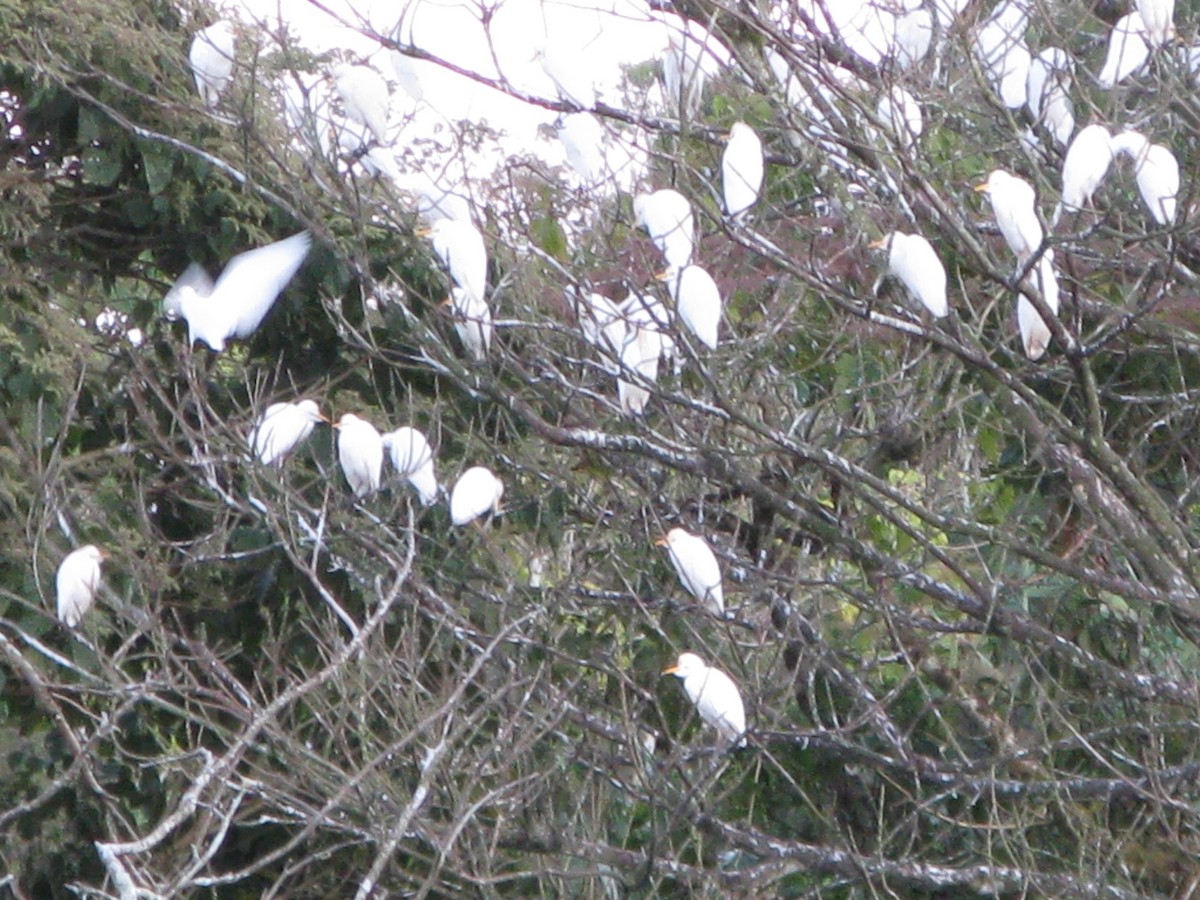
x: 635, y: 335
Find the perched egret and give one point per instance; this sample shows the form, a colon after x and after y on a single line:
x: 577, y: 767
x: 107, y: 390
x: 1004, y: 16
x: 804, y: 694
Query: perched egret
x: 472, y: 322
x: 914, y: 35
x: 76, y: 583
x: 913, y: 260
x: 646, y: 343
x: 459, y: 245
x: 360, y: 451
x: 741, y: 168
x: 901, y: 112
x: 571, y: 75
x: 1000, y: 46
x: 1158, y: 16
x: 1157, y: 172
x: 407, y: 75
x: 1128, y: 50
x: 364, y: 96
x: 212, y: 57
x: 696, y: 566
x: 1013, y: 204
x: 282, y: 428
x: 715, y: 696
x: 602, y: 323
x: 667, y: 217
x: 476, y: 493
x: 1085, y: 165
x: 685, y: 67
x: 236, y: 304
x: 412, y: 458
x: 1052, y: 67
x: 697, y: 302
x: 582, y: 137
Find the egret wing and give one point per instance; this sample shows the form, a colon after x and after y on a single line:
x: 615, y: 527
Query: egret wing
x: 253, y: 280
x: 194, y: 277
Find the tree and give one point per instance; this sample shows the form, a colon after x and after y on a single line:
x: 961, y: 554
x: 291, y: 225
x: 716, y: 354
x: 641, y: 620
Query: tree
x: 961, y: 592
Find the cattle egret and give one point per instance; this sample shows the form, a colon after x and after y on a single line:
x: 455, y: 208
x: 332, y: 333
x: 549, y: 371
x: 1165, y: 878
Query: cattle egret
x: 364, y: 96
x: 714, y: 695
x: 697, y: 302
x: 407, y: 75
x: 476, y: 493
x: 901, y: 112
x: 582, y: 137
x: 696, y: 566
x: 1000, y: 46
x: 1158, y: 16
x: 685, y: 67
x: 282, y: 428
x: 1013, y: 205
x: 412, y: 458
x: 360, y: 452
x: 645, y: 345
x: 212, y: 57
x: 459, y: 245
x: 1128, y: 50
x: 1157, y: 172
x: 913, y: 260
x: 472, y: 322
x: 914, y: 35
x: 1035, y: 333
x: 1084, y: 166
x: 236, y: 304
x: 602, y: 323
x: 76, y: 583
x: 741, y: 168
x: 667, y: 217
x: 1052, y: 67
x: 572, y: 76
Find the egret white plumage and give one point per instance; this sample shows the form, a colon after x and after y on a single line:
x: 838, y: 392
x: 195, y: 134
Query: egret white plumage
x: 412, y: 458
x: 582, y: 137
x: 1035, y: 333
x: 365, y: 97
x: 602, y: 324
x: 459, y: 245
x: 212, y: 59
x: 902, y: 113
x: 571, y: 75
x: 282, y: 428
x: 407, y: 75
x: 1014, y: 206
x: 741, y: 168
x: 1000, y: 46
x: 912, y: 259
x: 913, y: 36
x: 1157, y: 172
x: 697, y: 302
x: 1159, y: 19
x: 646, y: 343
x: 360, y: 452
x: 472, y: 322
x: 1085, y: 165
x: 76, y: 583
x: 236, y: 304
x: 476, y: 493
x: 715, y: 696
x: 667, y: 217
x: 696, y: 566
x: 1051, y: 67
x: 1128, y: 50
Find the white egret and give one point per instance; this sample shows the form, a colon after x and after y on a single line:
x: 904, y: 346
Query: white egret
x: 1128, y: 50
x: 667, y: 217
x: 645, y: 344
x: 1035, y: 333
x: 472, y: 322
x: 715, y: 696
x: 696, y: 566
x: 236, y: 304
x: 691, y: 52
x: 412, y: 458
x: 582, y: 137
x: 902, y: 113
x: 741, y: 168
x: 365, y: 97
x: 76, y: 583
x: 1014, y: 206
x: 1000, y: 46
x: 1158, y: 16
x: 571, y: 74
x: 697, y: 301
x: 282, y: 428
x: 913, y: 260
x: 360, y: 452
x: 1157, y: 172
x: 407, y: 75
x: 1058, y: 115
x: 1052, y: 67
x: 1084, y: 167
x: 914, y: 36
x: 476, y: 493
x: 459, y: 245
x: 602, y: 323
x: 212, y: 57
